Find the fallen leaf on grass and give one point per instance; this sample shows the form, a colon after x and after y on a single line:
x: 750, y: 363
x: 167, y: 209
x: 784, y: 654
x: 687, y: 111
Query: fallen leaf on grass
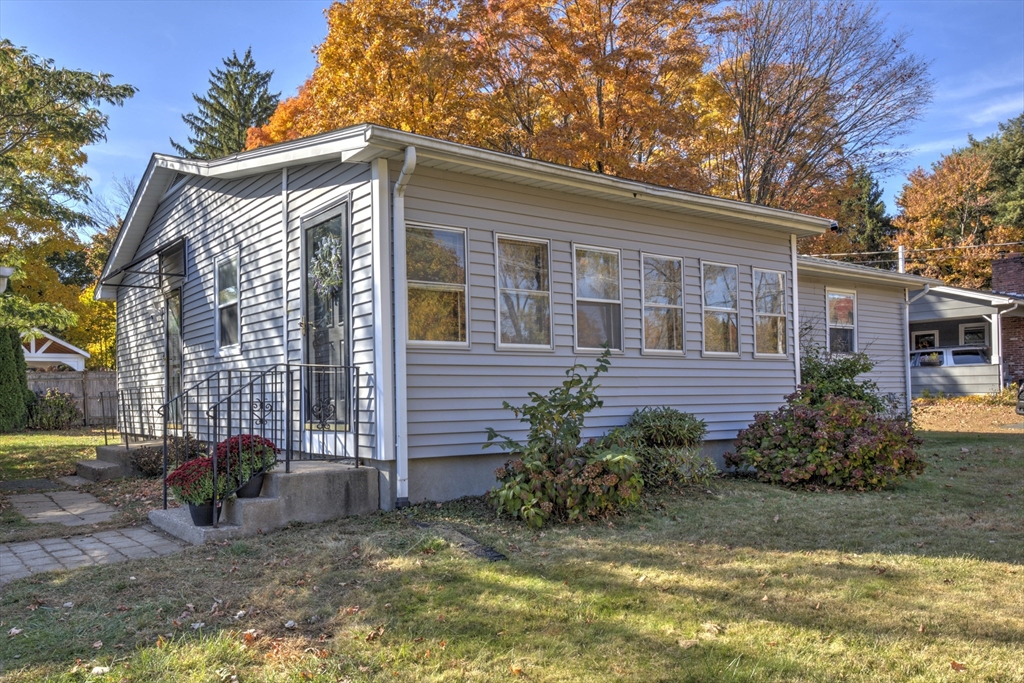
x: 97, y: 645
x: 375, y: 634
x: 14, y: 631
x: 687, y: 644
x: 776, y: 519
x: 920, y: 629
x: 516, y: 670
x: 290, y: 624
x: 957, y: 666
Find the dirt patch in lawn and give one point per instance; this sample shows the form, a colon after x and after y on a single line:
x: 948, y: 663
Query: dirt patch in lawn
x: 965, y: 415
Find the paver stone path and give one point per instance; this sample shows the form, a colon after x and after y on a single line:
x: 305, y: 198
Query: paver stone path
x: 70, y: 508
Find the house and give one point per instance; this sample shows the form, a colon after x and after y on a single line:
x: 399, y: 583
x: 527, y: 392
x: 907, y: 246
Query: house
x: 374, y: 296
x: 44, y: 351
x: 952, y: 316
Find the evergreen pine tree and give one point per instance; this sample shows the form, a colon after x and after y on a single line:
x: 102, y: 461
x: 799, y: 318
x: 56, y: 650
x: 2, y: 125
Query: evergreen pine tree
x: 863, y: 218
x: 238, y: 99
x: 13, y: 382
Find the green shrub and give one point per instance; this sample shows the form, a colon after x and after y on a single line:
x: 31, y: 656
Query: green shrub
x: 666, y: 444
x: 824, y: 374
x: 54, y: 410
x: 14, y: 393
x: 555, y: 477
x: 149, y: 460
x: 837, y: 443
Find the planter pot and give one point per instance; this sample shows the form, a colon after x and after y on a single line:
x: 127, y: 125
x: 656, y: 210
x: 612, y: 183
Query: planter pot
x: 202, y: 515
x: 252, y: 488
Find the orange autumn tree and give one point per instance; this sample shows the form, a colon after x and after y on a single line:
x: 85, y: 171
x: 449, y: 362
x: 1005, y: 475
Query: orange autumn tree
x: 608, y: 86
x: 946, y: 209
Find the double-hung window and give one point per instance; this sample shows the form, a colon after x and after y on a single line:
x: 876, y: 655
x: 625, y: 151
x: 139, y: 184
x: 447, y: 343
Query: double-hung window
x: 842, y: 321
x: 436, y: 270
x: 663, y: 303
x: 228, y: 323
x: 524, y: 292
x: 598, y: 298
x: 721, y: 308
x: 769, y: 312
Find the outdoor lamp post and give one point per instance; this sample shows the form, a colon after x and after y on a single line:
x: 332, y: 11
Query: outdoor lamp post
x: 5, y: 273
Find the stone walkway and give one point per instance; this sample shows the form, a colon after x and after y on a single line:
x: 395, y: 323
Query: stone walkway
x: 18, y: 560
x: 70, y: 508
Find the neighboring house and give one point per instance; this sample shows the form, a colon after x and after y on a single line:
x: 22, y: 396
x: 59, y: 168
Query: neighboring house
x: 44, y: 351
x: 952, y: 316
x: 377, y: 293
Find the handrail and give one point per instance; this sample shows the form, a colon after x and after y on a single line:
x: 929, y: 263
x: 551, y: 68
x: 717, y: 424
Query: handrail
x: 194, y: 387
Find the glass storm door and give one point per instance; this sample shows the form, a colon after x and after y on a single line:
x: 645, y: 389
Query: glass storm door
x: 325, y: 384
x: 173, y: 353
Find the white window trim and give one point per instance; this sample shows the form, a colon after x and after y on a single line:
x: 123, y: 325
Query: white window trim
x: 575, y: 298
x: 498, y: 344
x: 233, y: 349
x: 963, y: 326
x: 828, y: 322
x: 784, y: 315
x: 643, y: 304
x: 424, y: 343
x: 704, y: 308
x: 914, y: 335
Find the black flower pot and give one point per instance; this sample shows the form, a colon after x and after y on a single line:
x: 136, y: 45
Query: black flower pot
x: 202, y: 515
x: 251, y: 488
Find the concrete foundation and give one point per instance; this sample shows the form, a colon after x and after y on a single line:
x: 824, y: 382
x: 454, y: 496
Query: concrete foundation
x: 311, y: 492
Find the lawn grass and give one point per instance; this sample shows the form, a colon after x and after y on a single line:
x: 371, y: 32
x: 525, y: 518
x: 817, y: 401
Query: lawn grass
x: 46, y: 455
x: 747, y: 582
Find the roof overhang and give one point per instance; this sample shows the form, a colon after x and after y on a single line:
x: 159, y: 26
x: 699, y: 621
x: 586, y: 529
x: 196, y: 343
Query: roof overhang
x: 364, y: 143
x: 975, y: 296
x: 71, y: 348
x: 855, y: 273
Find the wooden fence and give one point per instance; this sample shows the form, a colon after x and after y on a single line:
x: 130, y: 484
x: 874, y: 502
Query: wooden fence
x: 84, y: 386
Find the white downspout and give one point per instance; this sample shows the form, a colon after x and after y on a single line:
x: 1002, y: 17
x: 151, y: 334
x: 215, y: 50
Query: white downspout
x: 796, y: 310
x: 401, y: 332
x: 284, y: 265
x: 906, y: 354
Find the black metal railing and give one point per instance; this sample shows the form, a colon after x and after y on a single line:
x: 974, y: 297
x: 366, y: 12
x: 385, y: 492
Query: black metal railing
x: 309, y: 412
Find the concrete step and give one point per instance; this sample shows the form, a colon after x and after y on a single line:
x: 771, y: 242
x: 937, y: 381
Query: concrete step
x: 311, y: 492
x: 115, y: 454
x: 98, y: 470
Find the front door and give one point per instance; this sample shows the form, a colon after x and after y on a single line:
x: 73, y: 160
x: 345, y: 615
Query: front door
x: 325, y: 382
x: 172, y: 353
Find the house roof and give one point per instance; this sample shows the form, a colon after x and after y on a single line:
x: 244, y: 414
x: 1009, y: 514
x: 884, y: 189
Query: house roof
x: 980, y: 296
x: 54, y: 345
x: 363, y: 143
x: 853, y: 271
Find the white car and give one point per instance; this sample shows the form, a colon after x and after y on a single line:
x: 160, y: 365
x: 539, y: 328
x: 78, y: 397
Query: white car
x: 947, y: 356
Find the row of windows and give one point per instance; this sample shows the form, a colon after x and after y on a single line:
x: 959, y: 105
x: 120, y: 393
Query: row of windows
x: 437, y: 290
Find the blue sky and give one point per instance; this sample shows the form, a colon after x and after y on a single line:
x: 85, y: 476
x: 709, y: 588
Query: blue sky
x: 167, y: 49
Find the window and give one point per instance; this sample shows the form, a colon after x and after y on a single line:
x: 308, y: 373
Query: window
x: 524, y: 292
x: 172, y: 265
x: 663, y: 303
x: 770, y: 312
x: 928, y: 339
x: 598, y: 301
x: 721, y: 311
x: 974, y: 334
x: 842, y: 322
x: 227, y: 302
x: 436, y: 269
x: 970, y: 357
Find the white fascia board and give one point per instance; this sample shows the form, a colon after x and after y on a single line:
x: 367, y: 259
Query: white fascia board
x: 984, y: 297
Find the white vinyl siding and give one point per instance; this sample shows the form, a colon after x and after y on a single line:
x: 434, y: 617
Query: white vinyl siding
x: 663, y: 304
x: 523, y: 269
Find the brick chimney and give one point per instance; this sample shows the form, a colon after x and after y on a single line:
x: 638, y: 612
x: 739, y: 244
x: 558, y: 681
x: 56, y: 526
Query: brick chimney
x: 1008, y: 274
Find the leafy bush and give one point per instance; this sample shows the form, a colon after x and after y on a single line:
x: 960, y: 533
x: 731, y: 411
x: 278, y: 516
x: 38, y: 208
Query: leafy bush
x: 838, y: 442
x: 54, y: 410
x: 826, y: 374
x: 555, y: 476
x: 149, y: 460
x: 666, y: 445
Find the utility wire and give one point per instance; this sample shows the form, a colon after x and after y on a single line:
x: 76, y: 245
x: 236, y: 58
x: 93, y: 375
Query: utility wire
x: 917, y: 251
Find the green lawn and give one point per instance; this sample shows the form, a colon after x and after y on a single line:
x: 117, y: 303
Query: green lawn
x: 747, y: 582
x: 30, y: 455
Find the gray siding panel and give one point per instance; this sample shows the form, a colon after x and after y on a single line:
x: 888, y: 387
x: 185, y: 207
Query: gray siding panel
x: 880, y: 327
x: 968, y: 380
x: 455, y: 394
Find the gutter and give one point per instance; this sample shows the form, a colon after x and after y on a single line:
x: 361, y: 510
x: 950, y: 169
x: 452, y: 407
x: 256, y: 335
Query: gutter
x: 401, y: 331
x: 906, y: 355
